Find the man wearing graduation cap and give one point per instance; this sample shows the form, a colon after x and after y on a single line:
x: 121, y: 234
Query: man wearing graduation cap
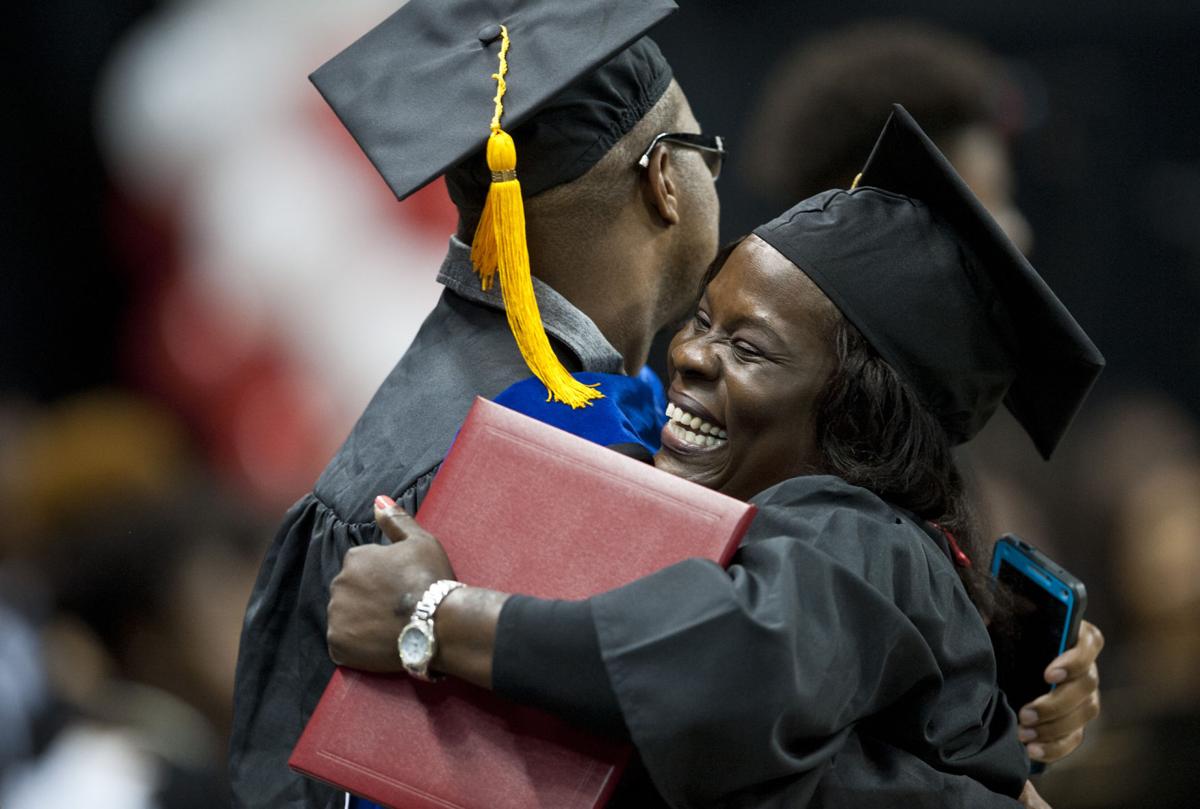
x: 552, y: 121
x: 608, y: 116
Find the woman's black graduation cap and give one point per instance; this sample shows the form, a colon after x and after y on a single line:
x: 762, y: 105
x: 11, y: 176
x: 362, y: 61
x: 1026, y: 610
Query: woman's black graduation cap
x: 434, y: 87
x: 916, y: 263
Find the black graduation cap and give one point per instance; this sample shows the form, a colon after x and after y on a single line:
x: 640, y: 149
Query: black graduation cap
x: 467, y: 86
x: 916, y: 263
x: 417, y: 91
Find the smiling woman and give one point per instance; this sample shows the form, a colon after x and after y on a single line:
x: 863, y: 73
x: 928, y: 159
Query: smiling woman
x: 835, y: 358
x: 770, y: 361
x: 752, y: 363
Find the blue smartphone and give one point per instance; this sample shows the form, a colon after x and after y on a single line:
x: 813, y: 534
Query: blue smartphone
x: 1046, y: 603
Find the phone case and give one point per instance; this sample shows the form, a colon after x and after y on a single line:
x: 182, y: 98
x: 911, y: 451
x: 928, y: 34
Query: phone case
x: 1047, y: 574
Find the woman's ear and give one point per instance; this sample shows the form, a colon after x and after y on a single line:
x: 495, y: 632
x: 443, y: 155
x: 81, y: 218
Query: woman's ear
x: 662, y: 188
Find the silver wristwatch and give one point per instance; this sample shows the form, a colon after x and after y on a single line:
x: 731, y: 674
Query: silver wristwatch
x: 418, y: 642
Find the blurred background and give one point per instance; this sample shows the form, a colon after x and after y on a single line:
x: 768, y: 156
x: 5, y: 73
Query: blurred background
x: 203, y: 280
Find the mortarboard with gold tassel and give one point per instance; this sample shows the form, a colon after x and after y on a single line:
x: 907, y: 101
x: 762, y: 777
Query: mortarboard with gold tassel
x: 411, y: 91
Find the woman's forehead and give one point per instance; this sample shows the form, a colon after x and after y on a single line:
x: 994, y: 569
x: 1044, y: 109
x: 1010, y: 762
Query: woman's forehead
x: 758, y: 282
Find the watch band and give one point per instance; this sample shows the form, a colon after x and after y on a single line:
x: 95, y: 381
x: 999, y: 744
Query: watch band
x: 422, y: 622
x: 433, y: 598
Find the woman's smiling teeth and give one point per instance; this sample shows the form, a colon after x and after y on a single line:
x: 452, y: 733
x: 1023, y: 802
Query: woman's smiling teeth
x: 692, y: 428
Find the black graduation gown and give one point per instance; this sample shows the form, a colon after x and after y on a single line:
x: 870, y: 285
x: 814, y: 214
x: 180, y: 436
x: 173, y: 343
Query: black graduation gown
x: 741, y: 687
x: 838, y: 662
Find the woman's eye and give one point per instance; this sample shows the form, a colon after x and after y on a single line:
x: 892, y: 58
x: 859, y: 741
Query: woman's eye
x: 701, y: 321
x: 746, y: 350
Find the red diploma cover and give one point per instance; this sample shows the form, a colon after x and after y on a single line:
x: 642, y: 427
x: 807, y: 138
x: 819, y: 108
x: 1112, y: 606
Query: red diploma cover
x: 520, y: 507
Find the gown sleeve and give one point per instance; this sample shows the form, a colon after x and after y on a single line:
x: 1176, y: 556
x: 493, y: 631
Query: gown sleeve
x: 548, y: 655
x: 283, y: 663
x: 739, y: 687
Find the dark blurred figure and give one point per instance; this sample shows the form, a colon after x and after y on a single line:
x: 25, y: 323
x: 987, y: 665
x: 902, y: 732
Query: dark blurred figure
x: 141, y: 570
x: 1140, y: 511
x: 1125, y: 442
x: 822, y: 107
x: 162, y: 586
x: 104, y: 444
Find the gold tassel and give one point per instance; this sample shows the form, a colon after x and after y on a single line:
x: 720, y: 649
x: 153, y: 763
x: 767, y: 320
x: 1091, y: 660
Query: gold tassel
x: 483, y: 246
x: 499, y: 244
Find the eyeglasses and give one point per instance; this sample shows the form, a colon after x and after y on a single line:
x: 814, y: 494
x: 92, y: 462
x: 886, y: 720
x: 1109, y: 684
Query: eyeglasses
x: 711, y: 147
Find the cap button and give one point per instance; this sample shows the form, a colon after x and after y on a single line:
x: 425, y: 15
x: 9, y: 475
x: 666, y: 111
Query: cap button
x: 489, y: 33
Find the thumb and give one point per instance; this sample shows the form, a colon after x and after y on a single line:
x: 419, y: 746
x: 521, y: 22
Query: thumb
x: 394, y: 521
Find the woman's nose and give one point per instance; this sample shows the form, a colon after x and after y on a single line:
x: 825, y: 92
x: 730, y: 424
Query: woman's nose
x: 695, y: 356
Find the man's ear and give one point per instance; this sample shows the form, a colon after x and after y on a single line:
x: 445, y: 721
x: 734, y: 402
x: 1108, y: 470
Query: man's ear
x: 662, y: 189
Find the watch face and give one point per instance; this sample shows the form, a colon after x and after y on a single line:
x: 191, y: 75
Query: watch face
x: 414, y: 646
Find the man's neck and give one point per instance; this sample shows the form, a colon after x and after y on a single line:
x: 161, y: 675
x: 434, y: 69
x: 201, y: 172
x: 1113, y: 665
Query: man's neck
x: 624, y: 317
x: 610, y: 281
